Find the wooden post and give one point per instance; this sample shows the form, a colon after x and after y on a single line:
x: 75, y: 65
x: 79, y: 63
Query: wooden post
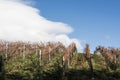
x: 6, y: 51
x: 63, y: 59
x: 40, y: 57
x: 68, y: 62
x: 63, y: 70
x: 49, y: 57
x: 115, y: 59
x: 23, y: 53
x: 49, y: 54
x: 36, y: 51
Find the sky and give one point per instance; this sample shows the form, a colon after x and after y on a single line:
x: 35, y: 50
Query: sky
x: 96, y: 22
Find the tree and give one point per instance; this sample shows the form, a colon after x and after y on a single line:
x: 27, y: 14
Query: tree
x: 88, y: 57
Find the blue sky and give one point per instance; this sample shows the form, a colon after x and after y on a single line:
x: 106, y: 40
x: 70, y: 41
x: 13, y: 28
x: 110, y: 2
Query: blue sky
x: 96, y: 22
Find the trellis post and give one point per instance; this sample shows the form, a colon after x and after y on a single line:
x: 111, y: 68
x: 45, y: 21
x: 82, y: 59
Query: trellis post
x: 63, y: 59
x: 49, y: 54
x: 63, y: 63
x: 23, y: 53
x: 6, y: 51
x: 40, y: 56
x: 36, y: 51
x: 68, y: 61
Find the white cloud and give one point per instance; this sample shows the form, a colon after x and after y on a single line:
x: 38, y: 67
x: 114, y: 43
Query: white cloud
x: 19, y: 21
x: 66, y: 41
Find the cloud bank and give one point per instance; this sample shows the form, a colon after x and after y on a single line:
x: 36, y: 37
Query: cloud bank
x: 19, y: 21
